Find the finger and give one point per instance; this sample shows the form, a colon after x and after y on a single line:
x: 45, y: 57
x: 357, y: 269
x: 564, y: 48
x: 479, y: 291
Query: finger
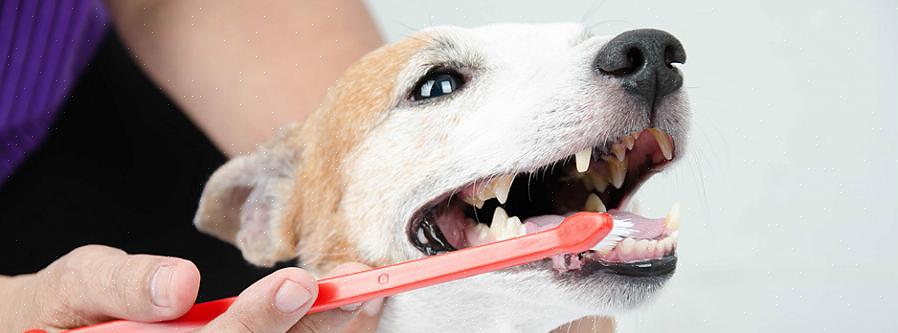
x: 94, y: 283
x: 271, y: 305
x: 360, y: 317
x: 591, y: 324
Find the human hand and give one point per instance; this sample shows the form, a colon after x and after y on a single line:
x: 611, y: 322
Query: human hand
x: 93, y: 284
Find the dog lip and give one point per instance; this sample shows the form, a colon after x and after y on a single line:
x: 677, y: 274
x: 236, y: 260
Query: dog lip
x: 654, y: 267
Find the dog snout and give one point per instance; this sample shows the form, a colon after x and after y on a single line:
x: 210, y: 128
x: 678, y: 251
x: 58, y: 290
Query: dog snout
x: 643, y: 61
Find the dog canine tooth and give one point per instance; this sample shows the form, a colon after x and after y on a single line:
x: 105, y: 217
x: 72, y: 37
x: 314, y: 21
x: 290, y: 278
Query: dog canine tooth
x: 497, y: 226
x: 672, y: 220
x: 501, y: 187
x: 664, y: 142
x: 594, y: 204
x: 617, y: 171
x: 583, y: 158
x: 619, y: 151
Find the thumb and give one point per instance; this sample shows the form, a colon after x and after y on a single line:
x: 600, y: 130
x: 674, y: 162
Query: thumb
x: 359, y: 317
x: 271, y: 305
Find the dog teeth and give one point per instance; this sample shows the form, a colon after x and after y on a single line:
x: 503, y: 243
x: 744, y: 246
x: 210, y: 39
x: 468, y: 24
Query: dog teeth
x: 421, y: 238
x: 665, y: 142
x: 504, y: 227
x: 630, y: 140
x: 497, y: 226
x: 473, y: 201
x: 626, y: 246
x: 650, y: 248
x: 594, y: 204
x: 598, y: 180
x: 497, y: 188
x: 501, y: 187
x: 659, y: 249
x: 514, y: 227
x: 483, y: 232
x: 666, y: 244
x: 486, y: 192
x: 641, y: 247
x: 619, y: 151
x: 672, y: 220
x: 617, y: 171
x: 477, y: 233
x: 636, y: 249
x: 583, y: 158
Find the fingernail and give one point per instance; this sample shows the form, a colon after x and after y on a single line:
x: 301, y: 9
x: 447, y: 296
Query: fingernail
x: 351, y: 307
x: 291, y: 296
x: 160, y: 285
x: 373, y: 307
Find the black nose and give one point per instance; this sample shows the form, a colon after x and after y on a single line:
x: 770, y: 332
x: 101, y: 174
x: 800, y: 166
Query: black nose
x: 643, y: 59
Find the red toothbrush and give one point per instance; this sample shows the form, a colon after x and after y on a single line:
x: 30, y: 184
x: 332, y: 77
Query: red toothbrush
x: 577, y: 233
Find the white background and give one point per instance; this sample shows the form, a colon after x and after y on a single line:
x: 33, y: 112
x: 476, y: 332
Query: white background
x: 790, y: 189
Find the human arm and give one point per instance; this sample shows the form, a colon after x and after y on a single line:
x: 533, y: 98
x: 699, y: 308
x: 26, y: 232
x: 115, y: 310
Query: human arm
x: 242, y: 69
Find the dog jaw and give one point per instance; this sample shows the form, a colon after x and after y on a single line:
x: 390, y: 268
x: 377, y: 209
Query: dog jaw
x: 343, y: 186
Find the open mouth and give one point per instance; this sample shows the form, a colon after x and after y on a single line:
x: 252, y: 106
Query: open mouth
x: 597, y: 179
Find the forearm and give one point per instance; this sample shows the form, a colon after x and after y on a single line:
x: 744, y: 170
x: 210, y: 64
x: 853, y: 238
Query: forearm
x: 242, y: 69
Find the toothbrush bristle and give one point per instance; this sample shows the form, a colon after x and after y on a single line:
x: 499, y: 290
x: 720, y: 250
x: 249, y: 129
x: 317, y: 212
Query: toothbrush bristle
x: 621, y: 229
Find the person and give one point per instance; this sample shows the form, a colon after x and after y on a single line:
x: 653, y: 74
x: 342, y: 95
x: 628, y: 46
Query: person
x: 108, y: 131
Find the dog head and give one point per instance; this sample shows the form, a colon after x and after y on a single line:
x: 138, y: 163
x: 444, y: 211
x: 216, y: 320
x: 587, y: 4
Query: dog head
x: 458, y: 137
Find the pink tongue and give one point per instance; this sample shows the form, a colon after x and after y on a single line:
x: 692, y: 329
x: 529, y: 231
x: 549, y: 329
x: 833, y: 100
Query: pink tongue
x: 542, y: 222
x: 644, y: 227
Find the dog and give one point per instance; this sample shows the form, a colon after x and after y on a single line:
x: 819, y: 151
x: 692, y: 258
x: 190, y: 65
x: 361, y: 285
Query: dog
x: 456, y: 137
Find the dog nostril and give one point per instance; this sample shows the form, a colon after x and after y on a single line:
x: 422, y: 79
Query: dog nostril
x: 636, y: 59
x: 623, y: 64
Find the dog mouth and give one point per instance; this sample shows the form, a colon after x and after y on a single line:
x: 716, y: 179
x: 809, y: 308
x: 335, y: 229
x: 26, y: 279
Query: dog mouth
x: 597, y: 179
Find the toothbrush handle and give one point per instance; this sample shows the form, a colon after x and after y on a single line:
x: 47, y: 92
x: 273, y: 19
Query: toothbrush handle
x: 575, y: 234
x: 572, y: 236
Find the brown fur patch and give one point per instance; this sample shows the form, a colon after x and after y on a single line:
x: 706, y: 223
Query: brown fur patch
x: 349, y: 111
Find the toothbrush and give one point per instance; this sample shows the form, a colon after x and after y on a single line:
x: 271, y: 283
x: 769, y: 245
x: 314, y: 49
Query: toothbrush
x: 576, y: 233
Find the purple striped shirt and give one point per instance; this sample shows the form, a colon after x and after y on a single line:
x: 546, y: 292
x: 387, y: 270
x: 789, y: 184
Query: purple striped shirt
x: 44, y: 44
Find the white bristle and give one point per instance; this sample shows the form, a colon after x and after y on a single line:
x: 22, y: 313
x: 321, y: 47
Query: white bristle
x: 621, y: 229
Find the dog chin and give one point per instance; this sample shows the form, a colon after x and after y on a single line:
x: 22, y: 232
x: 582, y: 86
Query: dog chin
x: 592, y: 290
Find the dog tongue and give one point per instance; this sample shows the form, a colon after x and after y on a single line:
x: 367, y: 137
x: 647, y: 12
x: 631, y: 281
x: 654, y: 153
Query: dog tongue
x: 644, y: 227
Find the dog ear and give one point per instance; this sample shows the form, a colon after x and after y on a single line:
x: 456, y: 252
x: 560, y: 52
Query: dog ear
x: 246, y: 203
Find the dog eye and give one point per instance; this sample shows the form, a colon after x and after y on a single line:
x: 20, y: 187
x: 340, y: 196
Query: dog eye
x: 437, y: 84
